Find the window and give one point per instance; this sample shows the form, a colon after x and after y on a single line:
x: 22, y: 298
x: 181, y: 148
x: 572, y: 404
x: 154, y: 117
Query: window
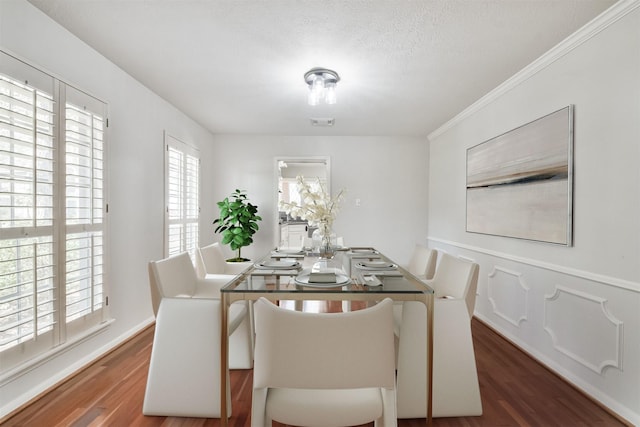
x: 182, y: 195
x: 84, y: 207
x: 52, y: 204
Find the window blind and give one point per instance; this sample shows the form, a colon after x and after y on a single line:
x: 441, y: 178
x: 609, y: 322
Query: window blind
x: 27, y: 270
x: 84, y: 161
x: 182, y: 183
x: 52, y: 186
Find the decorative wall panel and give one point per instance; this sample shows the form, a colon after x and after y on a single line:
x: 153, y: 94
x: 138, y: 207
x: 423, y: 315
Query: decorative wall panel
x: 582, y: 328
x: 508, y: 295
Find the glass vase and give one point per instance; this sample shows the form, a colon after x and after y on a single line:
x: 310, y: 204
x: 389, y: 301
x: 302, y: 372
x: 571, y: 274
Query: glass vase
x: 324, y: 240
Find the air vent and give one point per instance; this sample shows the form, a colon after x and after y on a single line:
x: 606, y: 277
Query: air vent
x: 322, y: 121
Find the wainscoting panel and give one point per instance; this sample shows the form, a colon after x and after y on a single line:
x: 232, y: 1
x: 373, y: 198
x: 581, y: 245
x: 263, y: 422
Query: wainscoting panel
x: 591, y: 335
x: 508, y: 295
x: 582, y: 325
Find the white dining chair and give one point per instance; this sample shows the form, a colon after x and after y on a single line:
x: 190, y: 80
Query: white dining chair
x: 456, y: 390
x: 422, y: 263
x: 211, y: 262
x: 174, y: 276
x: 184, y: 371
x: 323, y: 369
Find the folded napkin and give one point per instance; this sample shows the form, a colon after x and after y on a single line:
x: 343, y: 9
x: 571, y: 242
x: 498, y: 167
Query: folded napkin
x: 388, y: 273
x: 372, y: 280
x: 318, y: 277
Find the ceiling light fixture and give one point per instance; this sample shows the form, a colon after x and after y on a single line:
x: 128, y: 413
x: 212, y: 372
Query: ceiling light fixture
x: 322, y: 85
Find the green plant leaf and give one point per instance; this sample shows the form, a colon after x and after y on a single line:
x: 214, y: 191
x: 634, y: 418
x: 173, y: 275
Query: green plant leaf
x: 226, y: 239
x: 237, y: 221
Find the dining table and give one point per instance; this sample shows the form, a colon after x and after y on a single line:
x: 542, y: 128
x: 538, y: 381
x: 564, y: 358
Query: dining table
x: 361, y: 274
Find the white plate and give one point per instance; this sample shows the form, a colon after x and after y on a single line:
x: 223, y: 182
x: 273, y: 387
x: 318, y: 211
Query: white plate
x: 341, y: 280
x: 364, y: 251
x: 385, y: 265
x: 275, y: 265
x: 289, y: 251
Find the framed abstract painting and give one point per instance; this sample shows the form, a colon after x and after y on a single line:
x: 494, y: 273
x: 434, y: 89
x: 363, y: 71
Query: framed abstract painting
x: 520, y: 183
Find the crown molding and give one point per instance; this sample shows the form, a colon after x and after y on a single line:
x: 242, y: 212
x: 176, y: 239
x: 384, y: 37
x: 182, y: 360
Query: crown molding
x: 595, y: 26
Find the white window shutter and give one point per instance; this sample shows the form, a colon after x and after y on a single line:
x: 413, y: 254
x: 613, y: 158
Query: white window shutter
x: 52, y: 221
x: 182, y: 194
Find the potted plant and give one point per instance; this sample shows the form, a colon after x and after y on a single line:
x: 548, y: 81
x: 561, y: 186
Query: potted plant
x: 238, y: 221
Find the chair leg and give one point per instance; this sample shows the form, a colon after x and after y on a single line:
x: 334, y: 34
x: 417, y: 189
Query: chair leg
x: 258, y: 409
x: 389, y: 415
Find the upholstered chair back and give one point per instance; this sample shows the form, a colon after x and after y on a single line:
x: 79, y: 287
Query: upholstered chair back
x: 328, y: 369
x: 171, y: 277
x: 210, y: 260
x: 423, y: 262
x: 456, y: 278
x: 363, y: 359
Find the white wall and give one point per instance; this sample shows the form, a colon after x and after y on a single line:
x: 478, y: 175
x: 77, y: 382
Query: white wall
x: 388, y: 175
x: 138, y: 118
x: 577, y: 309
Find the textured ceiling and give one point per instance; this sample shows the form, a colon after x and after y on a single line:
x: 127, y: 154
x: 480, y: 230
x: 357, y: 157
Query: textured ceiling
x: 236, y: 66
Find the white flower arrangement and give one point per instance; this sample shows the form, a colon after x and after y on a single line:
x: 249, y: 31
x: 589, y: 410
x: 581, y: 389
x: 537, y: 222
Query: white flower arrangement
x: 316, y: 206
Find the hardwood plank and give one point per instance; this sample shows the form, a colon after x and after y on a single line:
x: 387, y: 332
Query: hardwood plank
x: 515, y: 390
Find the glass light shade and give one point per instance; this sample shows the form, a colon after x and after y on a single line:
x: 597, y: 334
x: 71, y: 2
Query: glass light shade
x: 313, y: 98
x: 318, y: 85
x: 330, y: 93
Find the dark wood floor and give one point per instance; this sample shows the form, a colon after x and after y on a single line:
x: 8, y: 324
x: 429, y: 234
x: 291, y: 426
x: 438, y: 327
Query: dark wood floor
x: 516, y: 391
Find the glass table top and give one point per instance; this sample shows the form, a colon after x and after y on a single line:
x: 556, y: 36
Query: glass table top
x: 351, y: 271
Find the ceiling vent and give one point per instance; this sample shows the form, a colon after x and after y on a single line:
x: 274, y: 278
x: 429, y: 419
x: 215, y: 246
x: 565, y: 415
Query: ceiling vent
x: 322, y: 121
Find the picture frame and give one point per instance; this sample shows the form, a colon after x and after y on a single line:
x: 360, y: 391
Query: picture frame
x: 520, y: 183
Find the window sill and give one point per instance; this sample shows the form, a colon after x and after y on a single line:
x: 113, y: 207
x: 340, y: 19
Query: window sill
x: 31, y: 364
